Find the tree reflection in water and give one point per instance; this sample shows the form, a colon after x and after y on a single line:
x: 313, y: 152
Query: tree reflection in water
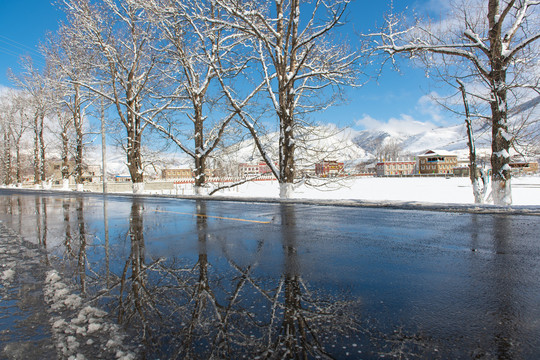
x: 135, y: 300
x: 257, y: 295
x: 302, y: 324
x: 216, y: 304
x: 193, y: 309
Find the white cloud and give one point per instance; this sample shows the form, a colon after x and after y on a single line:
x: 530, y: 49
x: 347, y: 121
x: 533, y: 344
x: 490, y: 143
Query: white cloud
x: 427, y: 105
x: 405, y: 124
x: 437, y: 6
x: 368, y: 122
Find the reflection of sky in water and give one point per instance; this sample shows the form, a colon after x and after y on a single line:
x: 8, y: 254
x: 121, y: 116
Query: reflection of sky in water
x: 411, y: 279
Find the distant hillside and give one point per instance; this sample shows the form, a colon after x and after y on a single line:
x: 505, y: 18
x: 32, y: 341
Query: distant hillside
x: 452, y: 138
x: 313, y: 145
x: 322, y: 143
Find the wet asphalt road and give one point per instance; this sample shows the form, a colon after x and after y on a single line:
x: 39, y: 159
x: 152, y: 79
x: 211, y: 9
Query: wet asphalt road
x: 185, y: 277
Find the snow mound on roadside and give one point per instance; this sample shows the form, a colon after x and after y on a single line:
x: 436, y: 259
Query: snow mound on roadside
x: 79, y: 328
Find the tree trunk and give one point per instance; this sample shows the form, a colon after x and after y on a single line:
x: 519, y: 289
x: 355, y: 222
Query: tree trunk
x: 7, y: 157
x: 287, y: 148
x: 500, y: 142
x: 65, y: 155
x: 286, y: 67
x: 37, y: 167
x: 477, y: 192
x: 500, y: 146
x: 77, y: 122
x: 200, y: 159
x: 134, y: 160
x: 42, y: 150
x: 18, y: 160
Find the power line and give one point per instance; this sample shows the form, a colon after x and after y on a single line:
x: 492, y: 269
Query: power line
x: 18, y: 45
x: 8, y: 51
x: 18, y: 50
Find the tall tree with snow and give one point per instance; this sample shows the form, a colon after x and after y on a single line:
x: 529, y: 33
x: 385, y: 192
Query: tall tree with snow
x: 302, y: 67
x: 34, y: 84
x: 196, y: 51
x: 62, y: 127
x: 6, y: 119
x: 21, y: 122
x: 493, y: 43
x: 121, y: 37
x: 72, y: 64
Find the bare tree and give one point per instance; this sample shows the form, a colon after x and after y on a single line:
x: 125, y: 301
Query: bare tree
x: 65, y: 130
x: 299, y: 63
x: 20, y: 125
x: 494, y: 43
x: 72, y: 63
x: 6, y: 121
x: 388, y: 150
x: 121, y: 38
x: 34, y: 84
x: 14, y: 121
x: 193, y: 48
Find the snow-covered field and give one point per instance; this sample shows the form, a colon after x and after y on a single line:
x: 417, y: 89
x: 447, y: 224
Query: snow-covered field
x: 424, y: 190
x: 439, y: 190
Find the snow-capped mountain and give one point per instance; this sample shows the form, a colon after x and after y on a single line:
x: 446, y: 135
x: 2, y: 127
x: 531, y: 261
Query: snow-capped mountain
x: 313, y: 144
x: 451, y: 138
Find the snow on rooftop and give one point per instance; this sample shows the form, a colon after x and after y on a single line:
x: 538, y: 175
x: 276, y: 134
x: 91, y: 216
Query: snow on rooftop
x: 438, y: 152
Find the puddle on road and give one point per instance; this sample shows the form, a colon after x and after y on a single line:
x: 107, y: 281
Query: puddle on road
x: 116, y: 280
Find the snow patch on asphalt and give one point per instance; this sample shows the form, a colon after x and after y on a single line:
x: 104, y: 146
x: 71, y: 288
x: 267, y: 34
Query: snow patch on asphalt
x: 8, y: 275
x: 78, y: 328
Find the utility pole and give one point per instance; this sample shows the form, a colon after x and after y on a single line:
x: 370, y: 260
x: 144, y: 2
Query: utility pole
x: 103, y: 147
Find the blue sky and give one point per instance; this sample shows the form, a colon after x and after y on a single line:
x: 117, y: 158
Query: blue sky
x: 394, y: 101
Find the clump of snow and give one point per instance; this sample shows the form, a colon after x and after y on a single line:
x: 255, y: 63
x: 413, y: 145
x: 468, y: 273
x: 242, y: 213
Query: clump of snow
x: 503, y: 153
x: 52, y: 277
x: 79, y: 328
x: 138, y: 188
x: 7, y: 275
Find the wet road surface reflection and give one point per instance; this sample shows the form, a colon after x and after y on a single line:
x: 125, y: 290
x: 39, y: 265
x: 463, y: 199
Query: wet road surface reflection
x: 202, y: 279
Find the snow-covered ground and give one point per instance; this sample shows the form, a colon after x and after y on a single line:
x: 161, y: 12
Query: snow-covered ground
x: 440, y: 190
x: 425, y: 190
